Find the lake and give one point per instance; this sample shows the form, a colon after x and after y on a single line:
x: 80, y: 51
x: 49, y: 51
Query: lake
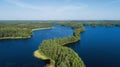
x: 19, y: 53
x: 99, y: 47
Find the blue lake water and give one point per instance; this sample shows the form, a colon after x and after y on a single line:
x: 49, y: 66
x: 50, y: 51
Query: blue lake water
x: 19, y: 53
x: 99, y: 47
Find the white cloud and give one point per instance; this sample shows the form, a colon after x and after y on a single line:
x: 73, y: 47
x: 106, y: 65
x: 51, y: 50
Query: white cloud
x: 53, y: 12
x: 24, y: 5
x: 49, y: 7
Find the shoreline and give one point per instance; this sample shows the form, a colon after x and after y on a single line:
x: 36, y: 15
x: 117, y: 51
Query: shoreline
x: 10, y: 38
x: 38, y: 55
x: 41, y: 28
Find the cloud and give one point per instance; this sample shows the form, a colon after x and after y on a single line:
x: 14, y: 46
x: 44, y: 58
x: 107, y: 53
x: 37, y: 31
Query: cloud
x: 24, y: 5
x: 48, y: 7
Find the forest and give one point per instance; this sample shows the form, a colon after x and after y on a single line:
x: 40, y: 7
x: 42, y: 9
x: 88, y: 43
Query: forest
x: 15, y: 32
x: 107, y: 24
x: 20, y: 30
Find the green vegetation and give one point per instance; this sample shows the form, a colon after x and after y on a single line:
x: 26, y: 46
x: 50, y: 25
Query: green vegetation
x: 62, y: 56
x: 107, y: 24
x: 58, y: 54
x: 20, y: 30
x: 14, y: 32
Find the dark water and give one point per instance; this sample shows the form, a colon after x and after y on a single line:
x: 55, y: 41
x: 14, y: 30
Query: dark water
x: 99, y: 47
x: 19, y: 53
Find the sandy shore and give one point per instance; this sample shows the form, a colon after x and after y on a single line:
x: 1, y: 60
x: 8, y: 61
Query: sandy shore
x: 14, y: 38
x: 41, y: 28
x: 37, y: 54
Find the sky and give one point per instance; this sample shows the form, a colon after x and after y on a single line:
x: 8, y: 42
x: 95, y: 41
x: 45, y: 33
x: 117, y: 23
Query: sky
x: 59, y: 9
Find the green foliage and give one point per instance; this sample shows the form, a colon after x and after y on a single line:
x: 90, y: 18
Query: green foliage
x: 63, y: 56
x: 22, y: 30
x: 15, y: 32
x: 107, y: 24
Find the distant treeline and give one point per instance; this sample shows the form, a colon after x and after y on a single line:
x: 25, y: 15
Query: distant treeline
x: 24, y: 28
x: 108, y: 24
x: 91, y: 23
x: 57, y: 51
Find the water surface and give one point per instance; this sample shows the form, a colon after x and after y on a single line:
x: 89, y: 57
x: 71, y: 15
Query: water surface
x: 99, y: 47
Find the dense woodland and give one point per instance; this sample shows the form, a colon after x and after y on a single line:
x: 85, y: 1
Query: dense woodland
x: 62, y: 55
x: 20, y: 30
x: 107, y: 24
x: 91, y: 23
x: 15, y: 32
